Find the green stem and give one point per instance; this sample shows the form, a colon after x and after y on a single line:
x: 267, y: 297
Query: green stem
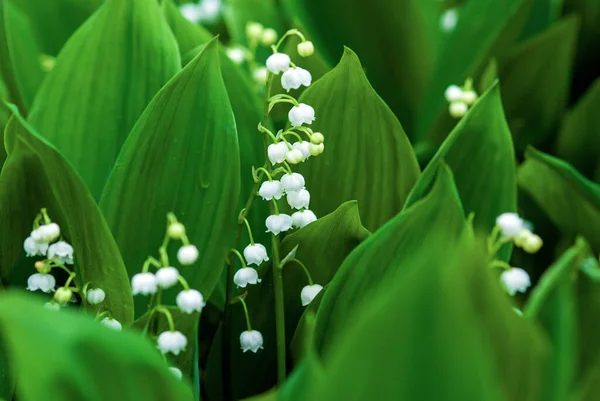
x: 303, y: 266
x: 279, y: 311
x: 249, y: 231
x: 167, y: 314
x: 239, y: 256
x: 248, y: 325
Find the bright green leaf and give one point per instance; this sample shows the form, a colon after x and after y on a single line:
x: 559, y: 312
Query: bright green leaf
x: 35, y: 176
x: 367, y: 154
x: 182, y: 157
x: 103, y: 79
x: 67, y: 356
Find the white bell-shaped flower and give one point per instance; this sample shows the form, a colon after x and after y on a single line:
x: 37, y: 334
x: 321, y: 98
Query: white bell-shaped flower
x: 515, y: 280
x: 303, y: 147
x: 112, y: 324
x: 33, y: 248
x: 187, y: 255
x: 309, y: 293
x: 245, y: 276
x: 191, y: 12
x: 42, y: 282
x: 448, y: 20
x: 46, y: 233
x: 298, y: 199
x: 301, y: 114
x: 292, y: 182
x: 294, y: 78
x: 278, y: 62
x: 167, y: 277
x: 251, y: 340
x: 294, y: 156
x: 62, y: 251
x: 305, y: 48
x: 176, y: 372
x: 143, y: 283
x: 277, y: 223
x: 236, y: 54
x: 95, y: 296
x: 453, y: 93
x: 277, y: 152
x: 171, y: 341
x: 510, y: 224
x: 302, y: 218
x: 53, y: 306
x: 255, y: 254
x: 190, y: 301
x: 269, y: 37
x: 270, y: 189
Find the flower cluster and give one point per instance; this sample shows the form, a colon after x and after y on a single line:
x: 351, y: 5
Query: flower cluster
x: 514, y: 228
x: 166, y: 276
x: 45, y: 240
x: 460, y: 98
x: 205, y: 11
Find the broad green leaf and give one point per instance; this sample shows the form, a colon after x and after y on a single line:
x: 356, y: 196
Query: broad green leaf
x: 19, y: 56
x: 7, y: 381
x: 421, y: 337
x: 182, y: 157
x: 397, y: 41
x: 76, y: 358
x: 535, y: 81
x: 553, y: 303
x: 388, y: 255
x: 35, y: 176
x: 321, y: 246
x: 484, y: 29
x: 570, y: 200
x: 577, y: 141
x: 188, y: 35
x: 367, y: 154
x: 479, y: 151
x: 103, y: 79
x: 542, y: 15
x: 55, y: 21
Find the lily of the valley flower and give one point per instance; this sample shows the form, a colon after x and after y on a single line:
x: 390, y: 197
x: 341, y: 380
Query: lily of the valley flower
x: 167, y: 277
x: 112, y: 324
x: 171, y: 341
x: 515, y: 280
x: 309, y: 293
x: 305, y: 48
x: 46, y: 233
x: 271, y: 189
x: 292, y: 182
x: 245, y: 276
x: 42, y: 282
x: 187, y: 255
x: 458, y: 109
x: 63, y: 295
x: 255, y: 254
x: 278, y: 62
x: 301, y: 114
x: 278, y: 223
x: 316, y: 149
x: 236, y: 55
x: 303, y: 147
x: 260, y: 75
x: 277, y: 152
x: 251, y: 340
x: 176, y: 372
x: 294, y: 156
x: 143, y: 283
x: 269, y: 36
x: 294, y: 78
x: 303, y: 218
x: 298, y: 199
x: 62, y: 251
x: 95, y: 296
x: 510, y: 224
x: 453, y: 93
x: 190, y: 301
x: 33, y: 248
x: 448, y: 20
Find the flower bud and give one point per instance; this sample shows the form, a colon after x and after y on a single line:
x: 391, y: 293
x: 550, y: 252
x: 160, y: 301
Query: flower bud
x: 42, y: 267
x: 302, y: 147
x: 251, y: 340
x: 254, y: 30
x: 269, y: 36
x: 63, y: 295
x: 309, y: 293
x: 469, y: 97
x: 112, y: 324
x: 532, y: 243
x: 453, y: 93
x: 176, y: 230
x: 95, y: 296
x: 458, y: 109
x: 260, y: 75
x: 187, y: 255
x: 305, y: 48
x: 245, y: 276
x: 176, y: 372
x: 316, y: 150
x: 294, y: 156
x: 317, y: 138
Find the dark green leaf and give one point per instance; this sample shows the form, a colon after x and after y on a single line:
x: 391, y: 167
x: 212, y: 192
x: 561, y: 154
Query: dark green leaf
x: 35, y: 176
x: 176, y: 161
x: 104, y: 77
x: 78, y: 359
x: 480, y: 153
x: 570, y: 200
x: 388, y: 255
x: 535, y: 81
x: 367, y: 155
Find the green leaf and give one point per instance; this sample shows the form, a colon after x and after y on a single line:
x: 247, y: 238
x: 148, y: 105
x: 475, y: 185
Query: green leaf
x: 569, y: 200
x: 35, y: 176
x: 55, y: 21
x: 535, y: 81
x: 479, y: 151
x: 397, y: 41
x: 77, y: 358
x: 387, y: 255
x: 19, y: 56
x: 367, y: 154
x: 483, y: 30
x: 174, y: 161
x: 576, y: 142
x: 7, y: 381
x: 321, y: 246
x: 103, y: 79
